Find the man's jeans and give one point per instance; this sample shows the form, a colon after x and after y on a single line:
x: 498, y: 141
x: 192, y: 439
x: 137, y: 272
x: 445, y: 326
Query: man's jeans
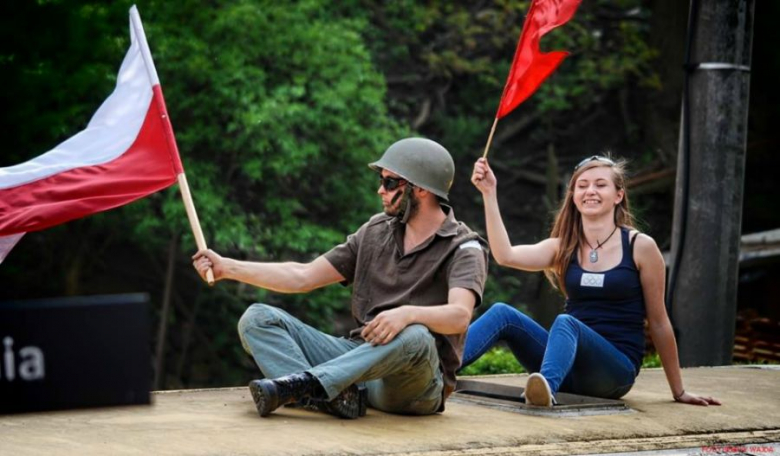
x: 402, y: 376
x: 572, y: 357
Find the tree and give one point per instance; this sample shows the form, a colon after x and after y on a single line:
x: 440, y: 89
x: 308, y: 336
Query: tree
x: 446, y: 64
x: 277, y: 111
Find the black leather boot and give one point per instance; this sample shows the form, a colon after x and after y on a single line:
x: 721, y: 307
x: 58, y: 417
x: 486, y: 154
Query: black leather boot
x: 272, y: 394
x: 349, y: 404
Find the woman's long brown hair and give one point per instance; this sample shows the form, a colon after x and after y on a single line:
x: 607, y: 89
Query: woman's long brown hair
x: 568, y: 222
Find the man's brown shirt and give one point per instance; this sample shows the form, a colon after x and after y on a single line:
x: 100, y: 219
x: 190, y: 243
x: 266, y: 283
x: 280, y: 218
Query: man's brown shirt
x: 384, y: 277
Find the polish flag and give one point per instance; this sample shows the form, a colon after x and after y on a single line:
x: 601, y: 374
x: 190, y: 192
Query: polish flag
x: 126, y: 152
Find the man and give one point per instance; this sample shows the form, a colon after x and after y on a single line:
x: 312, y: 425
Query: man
x: 417, y: 275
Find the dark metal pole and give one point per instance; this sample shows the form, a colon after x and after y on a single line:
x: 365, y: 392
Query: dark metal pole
x: 710, y: 181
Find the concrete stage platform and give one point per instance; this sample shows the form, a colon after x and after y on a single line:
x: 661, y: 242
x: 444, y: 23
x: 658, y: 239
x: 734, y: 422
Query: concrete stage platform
x: 224, y: 422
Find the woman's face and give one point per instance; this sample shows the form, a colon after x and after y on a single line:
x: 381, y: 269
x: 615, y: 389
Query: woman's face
x: 595, y: 192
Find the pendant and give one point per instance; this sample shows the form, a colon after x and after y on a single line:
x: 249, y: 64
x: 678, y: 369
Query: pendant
x: 594, y: 256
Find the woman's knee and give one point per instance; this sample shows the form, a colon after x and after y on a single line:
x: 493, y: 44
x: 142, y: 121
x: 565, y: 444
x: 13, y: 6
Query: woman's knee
x: 504, y: 314
x: 502, y: 310
x: 566, y: 324
x: 565, y: 320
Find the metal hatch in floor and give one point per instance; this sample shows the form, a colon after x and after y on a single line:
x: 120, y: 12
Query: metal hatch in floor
x: 508, y: 398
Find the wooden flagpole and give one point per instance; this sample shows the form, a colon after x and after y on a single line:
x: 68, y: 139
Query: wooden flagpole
x: 192, y: 215
x: 490, y: 137
x: 189, y: 206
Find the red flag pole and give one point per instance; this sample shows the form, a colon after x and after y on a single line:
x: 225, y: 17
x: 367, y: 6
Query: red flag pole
x: 490, y: 138
x: 530, y: 66
x: 189, y: 206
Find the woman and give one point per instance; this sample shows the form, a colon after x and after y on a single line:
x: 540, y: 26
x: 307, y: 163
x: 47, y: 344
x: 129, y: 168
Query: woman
x: 612, y: 278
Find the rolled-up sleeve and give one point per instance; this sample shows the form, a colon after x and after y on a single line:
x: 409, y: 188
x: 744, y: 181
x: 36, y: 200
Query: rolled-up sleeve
x: 468, y: 268
x: 344, y: 256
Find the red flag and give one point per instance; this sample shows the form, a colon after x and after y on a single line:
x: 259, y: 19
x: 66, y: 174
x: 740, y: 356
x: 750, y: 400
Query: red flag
x: 530, y: 66
x: 126, y: 152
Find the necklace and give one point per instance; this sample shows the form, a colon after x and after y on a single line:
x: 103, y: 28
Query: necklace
x: 594, y: 255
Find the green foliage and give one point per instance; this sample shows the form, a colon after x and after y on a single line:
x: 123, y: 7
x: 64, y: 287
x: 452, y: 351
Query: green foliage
x: 651, y: 360
x: 501, y: 289
x: 305, y: 115
x: 450, y: 53
x: 497, y: 360
x: 59, y: 52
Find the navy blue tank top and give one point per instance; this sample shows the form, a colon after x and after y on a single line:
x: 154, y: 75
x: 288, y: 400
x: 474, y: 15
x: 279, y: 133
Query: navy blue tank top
x: 610, y: 302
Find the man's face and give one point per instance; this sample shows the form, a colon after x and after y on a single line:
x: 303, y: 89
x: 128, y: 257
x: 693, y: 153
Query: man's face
x: 391, y: 188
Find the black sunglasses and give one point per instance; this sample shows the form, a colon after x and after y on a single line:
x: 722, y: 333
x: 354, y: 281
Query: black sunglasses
x: 606, y: 160
x: 390, y: 183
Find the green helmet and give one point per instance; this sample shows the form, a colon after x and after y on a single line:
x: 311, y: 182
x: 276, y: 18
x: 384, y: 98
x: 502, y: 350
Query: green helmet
x: 423, y: 162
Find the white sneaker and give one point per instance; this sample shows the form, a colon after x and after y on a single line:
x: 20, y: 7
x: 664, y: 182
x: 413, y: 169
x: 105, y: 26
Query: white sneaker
x: 537, y: 391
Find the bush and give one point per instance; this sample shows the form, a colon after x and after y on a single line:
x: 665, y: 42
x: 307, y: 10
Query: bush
x: 496, y: 361
x: 651, y: 360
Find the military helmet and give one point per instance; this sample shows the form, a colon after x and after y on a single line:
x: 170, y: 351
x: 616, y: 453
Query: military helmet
x: 423, y: 162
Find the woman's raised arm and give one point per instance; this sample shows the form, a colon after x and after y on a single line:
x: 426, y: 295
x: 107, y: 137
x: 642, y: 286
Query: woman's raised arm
x: 534, y: 257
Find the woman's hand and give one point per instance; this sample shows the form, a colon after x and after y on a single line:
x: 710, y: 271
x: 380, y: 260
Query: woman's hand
x: 483, y: 177
x: 694, y: 399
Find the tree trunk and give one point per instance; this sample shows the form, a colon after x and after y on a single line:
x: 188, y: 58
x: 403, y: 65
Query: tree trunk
x: 707, y: 221
x: 159, y: 374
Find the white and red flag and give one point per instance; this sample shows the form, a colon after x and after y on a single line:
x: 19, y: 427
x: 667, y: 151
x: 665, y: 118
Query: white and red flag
x: 126, y: 152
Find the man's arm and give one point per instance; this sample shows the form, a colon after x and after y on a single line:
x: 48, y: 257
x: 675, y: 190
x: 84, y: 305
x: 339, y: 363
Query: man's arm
x: 450, y: 318
x: 286, y: 277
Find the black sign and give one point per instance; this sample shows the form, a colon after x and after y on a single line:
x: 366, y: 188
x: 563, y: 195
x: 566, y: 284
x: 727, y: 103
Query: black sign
x: 74, y: 352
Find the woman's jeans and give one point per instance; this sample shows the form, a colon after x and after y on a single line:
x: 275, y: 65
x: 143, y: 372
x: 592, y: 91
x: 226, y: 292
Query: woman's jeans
x: 572, y: 357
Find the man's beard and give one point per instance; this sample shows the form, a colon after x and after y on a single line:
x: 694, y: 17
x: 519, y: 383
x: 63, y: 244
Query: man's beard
x: 397, y: 209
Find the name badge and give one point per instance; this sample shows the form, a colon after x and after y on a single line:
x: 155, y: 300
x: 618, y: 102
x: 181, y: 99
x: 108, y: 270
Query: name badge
x: 592, y: 280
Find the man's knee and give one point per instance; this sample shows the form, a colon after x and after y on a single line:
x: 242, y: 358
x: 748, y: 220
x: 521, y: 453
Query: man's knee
x: 417, y: 339
x: 257, y: 315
